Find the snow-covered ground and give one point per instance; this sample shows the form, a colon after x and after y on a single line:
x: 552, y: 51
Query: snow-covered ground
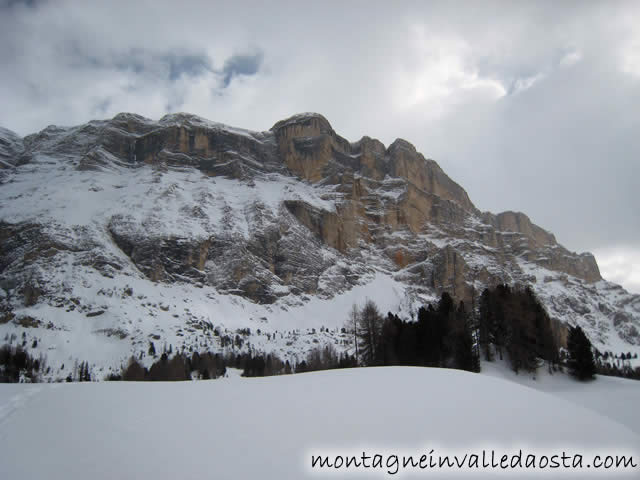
x: 616, y: 398
x: 268, y: 428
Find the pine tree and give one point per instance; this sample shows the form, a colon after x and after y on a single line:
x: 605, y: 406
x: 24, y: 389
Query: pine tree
x: 369, y: 332
x: 134, y: 371
x: 387, y: 350
x: 352, y: 322
x: 485, y: 319
x: 465, y: 355
x: 301, y: 367
x: 581, y: 362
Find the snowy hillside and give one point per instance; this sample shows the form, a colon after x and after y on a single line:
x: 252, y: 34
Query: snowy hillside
x: 268, y: 428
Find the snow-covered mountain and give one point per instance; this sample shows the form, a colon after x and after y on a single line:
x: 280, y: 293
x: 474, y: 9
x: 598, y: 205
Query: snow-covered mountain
x: 184, y: 231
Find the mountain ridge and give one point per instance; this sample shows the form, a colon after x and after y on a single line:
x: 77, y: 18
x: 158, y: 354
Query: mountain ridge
x: 270, y: 221
x: 182, y: 118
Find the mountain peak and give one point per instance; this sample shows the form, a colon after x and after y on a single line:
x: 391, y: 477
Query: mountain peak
x: 127, y: 116
x: 401, y: 143
x: 183, y: 118
x: 305, y: 120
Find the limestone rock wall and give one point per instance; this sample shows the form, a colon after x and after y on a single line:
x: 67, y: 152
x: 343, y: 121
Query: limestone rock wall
x: 391, y: 198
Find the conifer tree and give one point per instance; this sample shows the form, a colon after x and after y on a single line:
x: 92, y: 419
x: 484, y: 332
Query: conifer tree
x: 581, y: 362
x: 465, y: 354
x: 369, y: 332
x: 352, y: 322
x: 134, y: 371
x: 485, y: 319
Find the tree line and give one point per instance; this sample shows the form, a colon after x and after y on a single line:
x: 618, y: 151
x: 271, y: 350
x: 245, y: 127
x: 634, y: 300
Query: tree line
x: 441, y: 336
x: 616, y: 365
x: 176, y: 367
x: 508, y: 323
x: 179, y: 366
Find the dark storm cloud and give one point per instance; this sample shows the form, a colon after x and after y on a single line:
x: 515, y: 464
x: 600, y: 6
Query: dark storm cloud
x: 191, y: 65
x: 240, y: 65
x: 530, y: 106
x: 167, y: 64
x: 26, y: 3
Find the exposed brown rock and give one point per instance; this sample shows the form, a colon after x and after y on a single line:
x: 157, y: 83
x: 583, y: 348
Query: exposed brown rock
x: 519, y: 222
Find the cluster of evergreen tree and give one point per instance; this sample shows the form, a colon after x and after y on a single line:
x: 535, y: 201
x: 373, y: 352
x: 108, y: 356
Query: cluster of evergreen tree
x: 508, y: 322
x: 441, y: 337
x: 16, y: 362
x: 613, y: 370
x: 180, y: 366
x: 616, y: 365
x: 82, y: 373
x: 261, y: 365
x: 175, y: 368
x: 621, y: 359
x: 325, y: 358
x: 581, y: 362
x: 512, y: 320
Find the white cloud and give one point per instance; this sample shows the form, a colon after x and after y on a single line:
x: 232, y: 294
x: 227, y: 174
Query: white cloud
x: 436, y: 70
x: 525, y: 83
x: 571, y: 58
x: 631, y: 60
x: 621, y: 265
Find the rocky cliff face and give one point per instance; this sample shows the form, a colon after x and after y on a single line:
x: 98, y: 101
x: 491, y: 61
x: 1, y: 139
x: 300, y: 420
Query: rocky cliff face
x: 271, y: 221
x: 11, y: 147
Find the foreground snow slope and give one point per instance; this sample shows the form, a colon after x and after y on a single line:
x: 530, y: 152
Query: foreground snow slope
x: 616, y: 398
x: 264, y: 428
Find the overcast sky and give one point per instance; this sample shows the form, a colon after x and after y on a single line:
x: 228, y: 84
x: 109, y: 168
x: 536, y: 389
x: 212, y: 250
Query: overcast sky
x: 530, y: 106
